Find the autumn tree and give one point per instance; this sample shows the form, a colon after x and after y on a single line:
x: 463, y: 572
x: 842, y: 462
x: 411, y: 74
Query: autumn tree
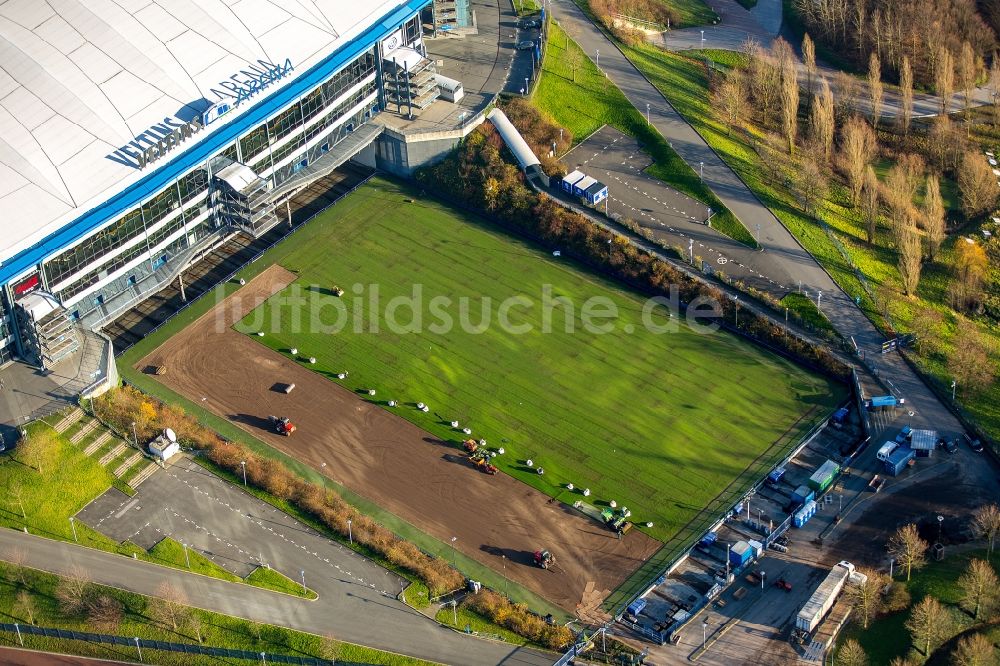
x: 934, y: 216
x: 169, y: 606
x: 875, y: 88
x: 979, y: 588
x: 908, y: 549
x: 870, y: 203
x: 809, y: 60
x: 969, y: 362
x: 731, y: 99
x: 977, y: 185
x: 969, y: 273
x: 866, y: 598
x: 905, y: 95
x: 789, y: 102
x: 857, y: 148
x: 974, y: 650
x: 928, y: 624
x: 908, y: 247
x: 821, y: 119
x: 851, y: 654
x: 986, y: 523
x: 944, y: 77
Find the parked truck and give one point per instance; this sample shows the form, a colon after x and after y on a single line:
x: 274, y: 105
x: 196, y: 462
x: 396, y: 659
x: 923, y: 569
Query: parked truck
x: 824, y: 597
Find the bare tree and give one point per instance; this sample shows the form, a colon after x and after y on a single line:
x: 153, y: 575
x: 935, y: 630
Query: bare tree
x: 979, y: 588
x: 977, y: 185
x: 944, y: 78
x: 821, y: 119
x: 897, y: 195
x: 928, y: 624
x: 256, y: 628
x: 17, y: 557
x: 926, y: 326
x: 905, y: 95
x: 969, y: 362
x: 194, y: 623
x: 810, y: 186
x: 17, y: 493
x: 903, y: 661
x: 870, y: 203
x: 994, y: 84
x: 875, y: 88
x: 968, y: 72
x: 933, y: 211
x: 847, y: 93
x: 986, y: 523
x: 851, y: 654
x: 857, y: 148
x: 731, y: 100
x: 974, y: 650
x: 908, y: 549
x: 789, y: 102
x: 71, y: 591
x: 908, y: 246
x: 866, y: 598
x: 31, y: 450
x: 169, y: 606
x: 574, y: 58
x: 765, y: 78
x: 24, y: 606
x: 104, y: 614
x: 809, y: 60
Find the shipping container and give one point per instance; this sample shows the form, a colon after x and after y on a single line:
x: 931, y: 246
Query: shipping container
x: 580, y: 186
x: 824, y: 597
x: 802, y: 516
x: 898, y: 460
x: 708, y: 539
x: 571, y: 179
x: 775, y: 476
x: 824, y: 476
x: 740, y: 553
x: 803, y: 494
x: 596, y: 193
x: 757, y: 547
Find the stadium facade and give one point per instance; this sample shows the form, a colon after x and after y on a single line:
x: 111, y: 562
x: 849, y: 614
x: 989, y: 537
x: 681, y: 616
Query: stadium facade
x: 137, y: 135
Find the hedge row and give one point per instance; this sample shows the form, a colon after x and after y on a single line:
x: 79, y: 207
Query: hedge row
x: 518, y: 619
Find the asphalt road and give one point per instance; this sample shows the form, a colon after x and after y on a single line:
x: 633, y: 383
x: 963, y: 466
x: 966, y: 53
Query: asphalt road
x: 347, y: 609
x: 782, y: 253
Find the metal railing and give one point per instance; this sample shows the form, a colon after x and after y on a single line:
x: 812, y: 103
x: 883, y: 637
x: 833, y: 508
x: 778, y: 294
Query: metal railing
x: 140, y: 644
x: 257, y: 256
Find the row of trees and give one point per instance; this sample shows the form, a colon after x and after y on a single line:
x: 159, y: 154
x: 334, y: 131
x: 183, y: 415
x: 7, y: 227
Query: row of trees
x: 920, y: 31
x: 930, y: 622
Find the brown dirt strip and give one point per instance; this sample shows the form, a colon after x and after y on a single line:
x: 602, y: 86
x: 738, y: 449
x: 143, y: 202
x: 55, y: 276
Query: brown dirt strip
x: 392, y: 462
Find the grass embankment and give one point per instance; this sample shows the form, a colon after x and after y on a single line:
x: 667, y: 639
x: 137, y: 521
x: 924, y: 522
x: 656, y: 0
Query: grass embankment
x: 887, y: 637
x: 585, y: 101
x: 682, y: 79
x: 68, y: 481
x: 660, y: 403
x: 807, y: 311
x: 473, y: 622
x: 216, y: 630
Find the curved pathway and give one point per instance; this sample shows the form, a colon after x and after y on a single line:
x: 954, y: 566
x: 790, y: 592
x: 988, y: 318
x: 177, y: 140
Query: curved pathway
x: 362, y: 615
x: 782, y: 253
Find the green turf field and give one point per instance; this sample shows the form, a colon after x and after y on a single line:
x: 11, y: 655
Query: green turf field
x: 661, y: 423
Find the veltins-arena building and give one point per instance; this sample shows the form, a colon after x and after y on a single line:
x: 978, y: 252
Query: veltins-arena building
x: 134, y: 134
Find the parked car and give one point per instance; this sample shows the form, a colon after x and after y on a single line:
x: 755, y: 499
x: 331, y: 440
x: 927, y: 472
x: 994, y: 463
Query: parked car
x: 526, y: 45
x: 876, y: 483
x: 783, y: 584
x: 530, y: 23
x: 904, y: 435
x: 950, y: 446
x: 974, y: 444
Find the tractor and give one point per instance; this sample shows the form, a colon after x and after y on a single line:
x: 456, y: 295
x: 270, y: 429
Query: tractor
x: 544, y: 559
x: 282, y: 425
x: 470, y: 446
x: 617, y: 520
x: 481, y: 459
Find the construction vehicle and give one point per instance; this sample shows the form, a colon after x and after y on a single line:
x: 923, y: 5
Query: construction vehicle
x: 470, y: 446
x: 481, y: 459
x: 617, y: 519
x: 282, y: 425
x: 544, y: 559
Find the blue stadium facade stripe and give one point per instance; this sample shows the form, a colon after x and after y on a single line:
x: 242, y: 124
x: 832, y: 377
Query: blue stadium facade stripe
x: 156, y: 181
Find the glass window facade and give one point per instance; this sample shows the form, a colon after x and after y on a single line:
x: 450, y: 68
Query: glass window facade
x: 180, y: 215
x: 6, y: 351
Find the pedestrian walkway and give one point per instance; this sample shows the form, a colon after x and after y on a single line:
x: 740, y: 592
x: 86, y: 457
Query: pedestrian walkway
x: 780, y: 247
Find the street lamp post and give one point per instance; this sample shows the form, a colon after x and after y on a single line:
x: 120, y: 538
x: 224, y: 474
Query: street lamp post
x: 762, y: 576
x: 137, y: 648
x: 135, y: 437
x: 704, y: 633
x: 892, y: 561
x: 647, y: 113
x: 819, y: 299
x: 350, y: 535
x: 454, y: 552
x: 526, y: 88
x: 758, y: 234
x: 243, y: 464
x: 187, y: 555
x: 597, y: 60
x: 737, y: 299
x: 560, y: 134
x: 953, y: 385
x: 72, y: 523
x: 940, y: 520
x: 504, y: 558
x: 454, y: 610
x: 263, y: 661
x: 702, y: 39
x: 302, y: 572
x: 701, y: 170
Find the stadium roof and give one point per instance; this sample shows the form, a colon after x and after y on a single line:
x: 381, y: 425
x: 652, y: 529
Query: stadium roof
x: 80, y: 79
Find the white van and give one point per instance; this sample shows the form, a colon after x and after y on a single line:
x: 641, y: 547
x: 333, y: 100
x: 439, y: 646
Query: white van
x: 886, y: 450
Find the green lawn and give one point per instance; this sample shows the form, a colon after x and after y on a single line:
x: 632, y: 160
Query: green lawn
x: 591, y: 101
x: 806, y: 308
x: 217, y: 630
x: 474, y: 622
x: 589, y: 408
x: 887, y: 636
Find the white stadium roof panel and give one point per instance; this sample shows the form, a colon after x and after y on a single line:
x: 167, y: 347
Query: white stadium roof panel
x: 81, y: 78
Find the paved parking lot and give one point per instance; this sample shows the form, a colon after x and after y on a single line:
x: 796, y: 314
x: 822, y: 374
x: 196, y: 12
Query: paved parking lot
x: 230, y: 527
x: 618, y: 161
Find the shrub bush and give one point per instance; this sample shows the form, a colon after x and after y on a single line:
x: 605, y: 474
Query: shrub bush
x: 518, y: 619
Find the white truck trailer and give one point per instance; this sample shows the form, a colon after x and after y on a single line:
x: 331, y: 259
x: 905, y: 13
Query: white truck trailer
x: 824, y: 597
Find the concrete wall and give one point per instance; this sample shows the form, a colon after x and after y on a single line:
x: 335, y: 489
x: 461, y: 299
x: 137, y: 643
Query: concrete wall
x: 401, y: 154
